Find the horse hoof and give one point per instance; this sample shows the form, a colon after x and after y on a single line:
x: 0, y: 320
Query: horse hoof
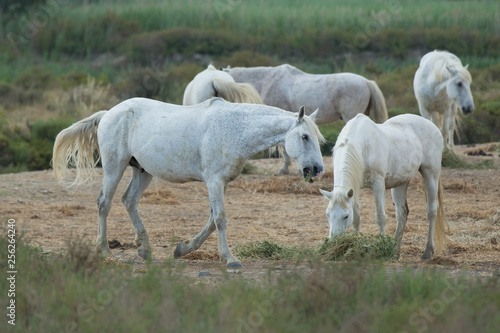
x: 104, y: 252
x: 234, y: 265
x: 283, y: 173
x: 427, y: 255
x: 180, y: 250
x: 144, y: 254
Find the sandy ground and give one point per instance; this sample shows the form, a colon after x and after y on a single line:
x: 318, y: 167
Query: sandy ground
x: 259, y: 206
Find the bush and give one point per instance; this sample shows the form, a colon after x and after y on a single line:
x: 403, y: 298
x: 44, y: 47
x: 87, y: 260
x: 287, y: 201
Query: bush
x: 21, y: 152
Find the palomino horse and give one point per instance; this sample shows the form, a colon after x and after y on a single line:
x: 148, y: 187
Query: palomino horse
x: 381, y: 156
x: 342, y: 95
x: 214, y: 83
x: 207, y: 142
x: 442, y: 85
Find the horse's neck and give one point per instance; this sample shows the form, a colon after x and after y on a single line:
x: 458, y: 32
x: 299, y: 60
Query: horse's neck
x: 348, y: 170
x: 267, y: 131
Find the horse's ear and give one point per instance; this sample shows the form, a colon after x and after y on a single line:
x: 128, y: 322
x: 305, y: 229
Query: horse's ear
x: 314, y: 115
x: 350, y: 193
x: 327, y: 194
x: 302, y: 112
x: 452, y: 70
x: 466, y: 66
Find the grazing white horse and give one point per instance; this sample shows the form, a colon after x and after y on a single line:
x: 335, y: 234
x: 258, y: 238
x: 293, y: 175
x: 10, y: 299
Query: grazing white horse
x: 207, y: 142
x: 336, y: 96
x: 442, y: 85
x: 215, y: 83
x: 383, y: 156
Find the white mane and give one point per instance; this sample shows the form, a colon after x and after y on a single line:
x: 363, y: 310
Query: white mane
x: 351, y: 171
x: 444, y: 60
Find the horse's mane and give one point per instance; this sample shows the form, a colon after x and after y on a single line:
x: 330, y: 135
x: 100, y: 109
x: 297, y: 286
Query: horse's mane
x: 352, y: 168
x: 444, y: 59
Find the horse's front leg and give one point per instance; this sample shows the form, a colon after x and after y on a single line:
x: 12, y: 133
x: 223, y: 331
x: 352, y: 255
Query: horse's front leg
x: 379, y: 193
x: 399, y: 198
x: 356, y: 219
x: 216, y: 191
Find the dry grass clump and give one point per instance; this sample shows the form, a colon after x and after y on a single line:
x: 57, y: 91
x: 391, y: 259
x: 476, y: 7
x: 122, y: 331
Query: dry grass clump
x: 290, y: 184
x: 459, y: 186
x: 159, y: 197
x: 356, y: 246
x: 268, y: 250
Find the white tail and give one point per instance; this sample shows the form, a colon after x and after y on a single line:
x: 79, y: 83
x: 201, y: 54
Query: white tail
x: 377, y: 103
x: 75, y: 147
x: 236, y: 92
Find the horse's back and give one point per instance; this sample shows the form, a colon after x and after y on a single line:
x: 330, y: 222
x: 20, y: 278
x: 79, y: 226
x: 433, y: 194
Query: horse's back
x: 395, y: 149
x: 201, y: 87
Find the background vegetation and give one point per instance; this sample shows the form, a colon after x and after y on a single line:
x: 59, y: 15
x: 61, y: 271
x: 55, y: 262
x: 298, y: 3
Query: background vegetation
x: 61, y: 60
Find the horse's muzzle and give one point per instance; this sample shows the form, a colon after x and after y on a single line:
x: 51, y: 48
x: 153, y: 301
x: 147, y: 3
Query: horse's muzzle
x: 467, y: 109
x: 310, y: 173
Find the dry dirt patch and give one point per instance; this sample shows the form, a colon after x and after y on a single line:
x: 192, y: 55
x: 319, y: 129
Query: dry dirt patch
x: 282, y: 210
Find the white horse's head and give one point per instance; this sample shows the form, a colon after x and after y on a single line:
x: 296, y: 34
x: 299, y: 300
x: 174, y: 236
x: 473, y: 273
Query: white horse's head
x: 458, y: 88
x: 302, y: 145
x: 339, y: 210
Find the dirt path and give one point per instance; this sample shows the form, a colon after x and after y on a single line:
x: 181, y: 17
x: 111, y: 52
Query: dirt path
x: 260, y: 206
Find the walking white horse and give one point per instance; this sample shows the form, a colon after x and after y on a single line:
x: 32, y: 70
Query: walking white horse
x: 215, y: 83
x: 382, y: 156
x: 336, y: 96
x: 207, y: 142
x: 442, y: 85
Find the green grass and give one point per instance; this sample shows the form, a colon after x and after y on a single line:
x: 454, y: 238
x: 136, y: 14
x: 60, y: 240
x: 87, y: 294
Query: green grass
x: 76, y: 292
x: 454, y: 161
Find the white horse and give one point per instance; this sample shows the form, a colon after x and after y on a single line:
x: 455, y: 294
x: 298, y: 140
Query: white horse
x: 215, y: 83
x: 207, y: 142
x: 442, y: 85
x: 382, y: 156
x: 342, y: 95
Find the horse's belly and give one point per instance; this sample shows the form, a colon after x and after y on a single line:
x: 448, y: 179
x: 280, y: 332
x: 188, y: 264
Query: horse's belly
x: 391, y: 182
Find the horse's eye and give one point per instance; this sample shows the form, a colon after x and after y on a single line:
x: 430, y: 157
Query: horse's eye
x: 459, y: 84
x: 346, y: 217
x: 305, y: 137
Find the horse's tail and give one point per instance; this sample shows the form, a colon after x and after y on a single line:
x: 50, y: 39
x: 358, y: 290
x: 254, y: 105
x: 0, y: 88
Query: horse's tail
x: 235, y: 92
x: 440, y: 224
x: 76, y: 146
x: 377, y: 103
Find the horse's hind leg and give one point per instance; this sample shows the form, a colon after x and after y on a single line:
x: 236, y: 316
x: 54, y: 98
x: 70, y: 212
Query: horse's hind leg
x: 431, y: 180
x: 399, y: 198
x: 113, y: 172
x: 140, y: 181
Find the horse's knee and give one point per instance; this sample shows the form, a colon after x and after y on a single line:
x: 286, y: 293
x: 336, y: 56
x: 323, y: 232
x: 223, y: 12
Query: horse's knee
x: 103, y: 204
